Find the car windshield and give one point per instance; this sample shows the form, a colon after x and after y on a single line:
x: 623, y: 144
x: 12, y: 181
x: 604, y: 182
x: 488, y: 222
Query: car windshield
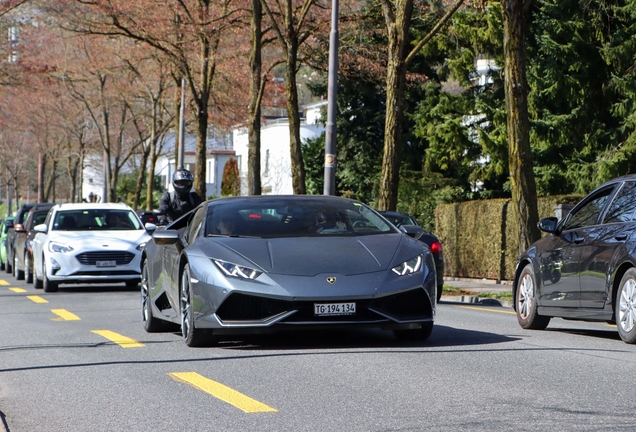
x: 280, y: 217
x: 399, y: 220
x: 96, y: 219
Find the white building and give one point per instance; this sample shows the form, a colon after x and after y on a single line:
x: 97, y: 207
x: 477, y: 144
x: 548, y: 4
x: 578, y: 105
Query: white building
x: 219, y: 149
x: 276, y: 175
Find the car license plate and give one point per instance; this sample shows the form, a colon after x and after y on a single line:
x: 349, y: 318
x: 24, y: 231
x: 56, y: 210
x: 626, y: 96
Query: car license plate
x: 106, y: 263
x: 331, y: 309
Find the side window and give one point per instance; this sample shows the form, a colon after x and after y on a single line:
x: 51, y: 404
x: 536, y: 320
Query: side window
x: 48, y: 219
x: 589, y: 213
x: 196, y: 225
x: 623, y: 205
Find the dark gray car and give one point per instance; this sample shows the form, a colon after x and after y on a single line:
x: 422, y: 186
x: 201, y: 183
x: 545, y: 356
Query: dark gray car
x: 585, y: 268
x: 249, y: 265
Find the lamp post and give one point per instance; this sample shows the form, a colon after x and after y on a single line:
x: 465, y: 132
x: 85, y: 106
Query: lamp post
x: 180, y: 162
x: 332, y: 105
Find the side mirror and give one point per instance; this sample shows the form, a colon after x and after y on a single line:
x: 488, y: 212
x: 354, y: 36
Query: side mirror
x: 412, y: 231
x: 42, y: 228
x: 8, y: 223
x: 548, y: 224
x: 150, y: 227
x: 166, y: 237
x: 19, y: 228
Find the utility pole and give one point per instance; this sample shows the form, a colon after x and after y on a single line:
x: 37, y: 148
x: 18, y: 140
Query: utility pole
x: 332, y: 105
x: 181, y: 154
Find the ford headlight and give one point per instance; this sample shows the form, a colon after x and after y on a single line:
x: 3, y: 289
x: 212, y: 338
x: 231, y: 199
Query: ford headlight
x: 235, y: 270
x: 59, y: 247
x: 408, y: 267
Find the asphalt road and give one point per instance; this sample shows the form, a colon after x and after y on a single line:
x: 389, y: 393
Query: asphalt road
x: 65, y: 366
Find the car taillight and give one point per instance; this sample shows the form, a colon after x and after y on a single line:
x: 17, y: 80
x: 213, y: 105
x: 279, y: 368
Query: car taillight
x: 436, y: 247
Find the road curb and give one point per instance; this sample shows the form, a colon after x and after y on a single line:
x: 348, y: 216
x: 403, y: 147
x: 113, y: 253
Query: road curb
x: 482, y: 301
x: 484, y: 280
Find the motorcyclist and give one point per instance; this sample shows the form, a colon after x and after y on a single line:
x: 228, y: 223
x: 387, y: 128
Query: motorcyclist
x: 175, y: 204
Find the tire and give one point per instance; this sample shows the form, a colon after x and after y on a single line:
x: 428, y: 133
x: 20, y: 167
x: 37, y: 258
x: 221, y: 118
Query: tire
x: 7, y: 268
x: 193, y: 336
x: 132, y: 284
x: 625, y: 309
x: 37, y: 283
x: 151, y: 324
x: 48, y: 285
x: 416, y: 334
x: 526, y: 302
x: 440, y: 288
x: 18, y: 274
x: 28, y: 270
x: 1, y: 266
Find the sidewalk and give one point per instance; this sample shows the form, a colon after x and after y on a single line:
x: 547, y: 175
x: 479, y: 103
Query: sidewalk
x: 476, y: 286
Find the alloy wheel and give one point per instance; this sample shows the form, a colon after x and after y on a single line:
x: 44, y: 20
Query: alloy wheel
x: 186, y: 304
x: 627, y: 306
x: 145, y: 295
x: 526, y: 295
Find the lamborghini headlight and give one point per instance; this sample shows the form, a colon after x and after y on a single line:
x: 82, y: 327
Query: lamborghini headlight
x: 408, y: 267
x: 59, y: 247
x: 235, y: 270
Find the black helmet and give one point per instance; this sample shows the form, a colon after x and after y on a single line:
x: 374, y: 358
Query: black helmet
x: 182, y: 181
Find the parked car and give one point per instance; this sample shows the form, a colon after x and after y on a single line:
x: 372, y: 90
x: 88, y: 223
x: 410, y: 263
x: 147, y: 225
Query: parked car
x: 3, y: 241
x: 19, y: 218
x: 88, y: 243
x: 22, y: 243
x: 241, y: 265
x: 585, y: 268
x: 403, y: 219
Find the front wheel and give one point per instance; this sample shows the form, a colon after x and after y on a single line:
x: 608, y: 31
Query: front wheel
x: 151, y: 324
x: 28, y: 269
x: 49, y: 285
x: 526, y: 302
x: 193, y: 336
x: 420, y: 334
x: 17, y: 273
x: 625, y: 310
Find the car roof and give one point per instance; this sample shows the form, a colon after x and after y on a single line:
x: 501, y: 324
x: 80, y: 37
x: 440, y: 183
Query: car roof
x: 42, y: 206
x: 393, y: 213
x: 92, y: 206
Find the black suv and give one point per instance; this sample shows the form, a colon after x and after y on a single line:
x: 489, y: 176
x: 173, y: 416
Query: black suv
x: 23, y: 251
x: 402, y: 219
x: 19, y: 219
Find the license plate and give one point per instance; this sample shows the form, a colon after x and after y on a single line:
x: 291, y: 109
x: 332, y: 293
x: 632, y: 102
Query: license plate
x: 106, y: 263
x: 331, y: 309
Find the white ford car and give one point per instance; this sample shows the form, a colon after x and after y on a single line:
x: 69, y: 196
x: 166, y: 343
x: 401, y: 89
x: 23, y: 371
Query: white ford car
x: 88, y: 243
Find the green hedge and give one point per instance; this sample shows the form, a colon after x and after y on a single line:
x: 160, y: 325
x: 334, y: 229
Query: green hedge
x: 479, y: 237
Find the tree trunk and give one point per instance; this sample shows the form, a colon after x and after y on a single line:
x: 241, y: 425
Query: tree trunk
x: 151, y: 174
x: 140, y: 177
x: 202, y: 131
x: 291, y: 90
x: 524, y: 193
x: 398, y: 19
x: 254, y: 104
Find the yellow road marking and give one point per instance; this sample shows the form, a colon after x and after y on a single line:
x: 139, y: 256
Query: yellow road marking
x: 222, y: 392
x: 3, y: 282
x: 37, y: 299
x: 17, y: 290
x: 123, y: 341
x: 64, y: 315
x: 488, y: 310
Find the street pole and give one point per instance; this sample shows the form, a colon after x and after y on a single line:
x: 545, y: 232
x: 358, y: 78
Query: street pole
x: 332, y: 105
x: 181, y: 153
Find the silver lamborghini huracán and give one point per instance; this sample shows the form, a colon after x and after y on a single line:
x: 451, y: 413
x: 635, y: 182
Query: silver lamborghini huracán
x: 245, y: 265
